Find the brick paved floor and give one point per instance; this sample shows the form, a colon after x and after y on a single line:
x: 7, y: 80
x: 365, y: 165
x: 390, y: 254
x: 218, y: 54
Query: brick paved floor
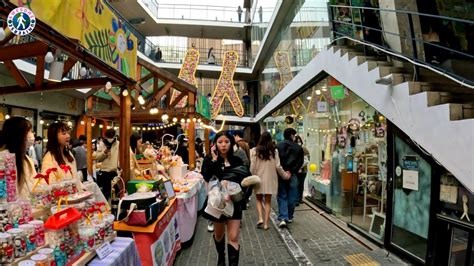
x: 322, y: 242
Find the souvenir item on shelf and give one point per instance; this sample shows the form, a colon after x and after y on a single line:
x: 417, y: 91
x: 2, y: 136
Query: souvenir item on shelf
x: 27, y: 263
x: 30, y: 236
x: 6, y: 248
x: 39, y: 231
x: 19, y: 242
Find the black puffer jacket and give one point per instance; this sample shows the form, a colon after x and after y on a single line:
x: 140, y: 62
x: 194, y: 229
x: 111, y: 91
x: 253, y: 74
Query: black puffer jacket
x: 291, y: 156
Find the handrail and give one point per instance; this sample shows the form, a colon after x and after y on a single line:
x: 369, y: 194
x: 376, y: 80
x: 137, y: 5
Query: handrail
x: 348, y: 28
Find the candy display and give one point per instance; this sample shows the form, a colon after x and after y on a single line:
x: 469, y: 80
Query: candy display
x: 39, y: 231
x: 87, y: 235
x: 6, y: 248
x: 19, y: 242
x: 40, y: 260
x: 30, y: 236
x: 3, y: 182
x: 41, y: 196
x: 15, y: 214
x: 49, y: 253
x: 10, y: 176
x: 27, y: 263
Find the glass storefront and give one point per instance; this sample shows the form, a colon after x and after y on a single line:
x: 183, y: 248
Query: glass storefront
x: 346, y: 139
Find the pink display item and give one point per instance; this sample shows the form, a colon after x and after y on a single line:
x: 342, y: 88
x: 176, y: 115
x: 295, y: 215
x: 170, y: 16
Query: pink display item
x: 87, y: 234
x: 6, y: 248
x: 10, y: 177
x: 19, y: 242
x: 39, y: 232
x: 27, y: 210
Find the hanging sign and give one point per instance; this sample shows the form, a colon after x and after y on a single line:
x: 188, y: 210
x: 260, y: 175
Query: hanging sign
x: 410, y: 179
x: 21, y: 21
x: 337, y: 92
x: 410, y: 162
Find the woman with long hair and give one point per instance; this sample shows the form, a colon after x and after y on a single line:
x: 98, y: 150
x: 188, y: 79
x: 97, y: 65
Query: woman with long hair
x: 265, y: 163
x: 223, y: 164
x: 57, y: 151
x: 16, y: 137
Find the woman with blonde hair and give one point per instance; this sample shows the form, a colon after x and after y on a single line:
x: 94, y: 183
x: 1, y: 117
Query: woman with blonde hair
x: 265, y: 163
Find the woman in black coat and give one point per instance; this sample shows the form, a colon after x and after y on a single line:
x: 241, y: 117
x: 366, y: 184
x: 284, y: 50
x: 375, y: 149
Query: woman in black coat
x: 226, y: 167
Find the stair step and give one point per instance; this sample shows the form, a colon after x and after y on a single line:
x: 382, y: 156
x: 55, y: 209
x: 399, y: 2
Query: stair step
x: 362, y: 59
x: 387, y: 70
x: 374, y: 64
x: 418, y: 87
x: 437, y: 98
x: 458, y: 111
x: 398, y: 78
x: 353, y: 54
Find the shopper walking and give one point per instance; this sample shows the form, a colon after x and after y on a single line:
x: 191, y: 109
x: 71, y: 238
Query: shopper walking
x: 223, y: 164
x: 107, y: 154
x: 303, y: 170
x: 58, y: 153
x: 265, y: 163
x: 239, y: 13
x: 13, y: 139
x: 39, y: 150
x: 291, y: 159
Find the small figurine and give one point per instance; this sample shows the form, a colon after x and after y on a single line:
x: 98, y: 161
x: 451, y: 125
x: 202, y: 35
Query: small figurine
x: 465, y: 208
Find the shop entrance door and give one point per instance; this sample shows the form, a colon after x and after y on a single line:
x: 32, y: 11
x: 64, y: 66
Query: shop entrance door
x: 411, y: 201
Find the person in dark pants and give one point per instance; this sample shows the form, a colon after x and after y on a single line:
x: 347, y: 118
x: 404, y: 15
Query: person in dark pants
x: 108, y: 155
x: 303, y: 170
x: 239, y: 13
x: 81, y: 156
x: 291, y: 159
x: 371, y: 23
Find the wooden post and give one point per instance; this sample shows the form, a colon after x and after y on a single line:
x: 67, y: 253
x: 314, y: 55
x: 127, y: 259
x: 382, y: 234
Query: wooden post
x: 124, y: 148
x: 207, y: 143
x: 191, y: 144
x: 90, y: 168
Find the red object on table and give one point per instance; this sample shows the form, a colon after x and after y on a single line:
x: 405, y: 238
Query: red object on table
x: 148, y: 238
x: 62, y: 218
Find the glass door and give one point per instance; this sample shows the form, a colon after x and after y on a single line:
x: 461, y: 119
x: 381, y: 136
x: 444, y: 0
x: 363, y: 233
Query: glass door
x: 411, y: 200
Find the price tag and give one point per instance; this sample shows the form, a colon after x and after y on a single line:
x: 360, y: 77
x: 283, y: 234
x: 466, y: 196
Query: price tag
x: 104, y: 250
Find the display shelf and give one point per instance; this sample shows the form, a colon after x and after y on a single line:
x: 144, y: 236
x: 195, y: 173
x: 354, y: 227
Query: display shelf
x: 88, y: 256
x: 28, y: 256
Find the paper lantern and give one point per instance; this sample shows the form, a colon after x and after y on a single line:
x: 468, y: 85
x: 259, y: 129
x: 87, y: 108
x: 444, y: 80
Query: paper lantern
x: 313, y: 167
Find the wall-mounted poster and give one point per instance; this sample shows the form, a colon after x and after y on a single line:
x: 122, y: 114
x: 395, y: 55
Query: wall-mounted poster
x: 410, y: 179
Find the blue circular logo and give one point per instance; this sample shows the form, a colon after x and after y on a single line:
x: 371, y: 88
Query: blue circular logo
x: 21, y: 21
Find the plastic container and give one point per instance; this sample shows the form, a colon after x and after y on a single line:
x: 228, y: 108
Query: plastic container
x: 55, y: 237
x: 40, y: 260
x: 6, y: 248
x: 62, y: 219
x: 27, y: 211
x: 19, y: 242
x: 99, y: 233
x: 39, y: 232
x: 41, y: 197
x: 30, y: 236
x: 49, y: 253
x: 27, y: 263
x: 87, y: 234
x: 109, y: 224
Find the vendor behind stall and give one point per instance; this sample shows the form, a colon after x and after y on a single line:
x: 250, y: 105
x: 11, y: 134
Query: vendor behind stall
x: 57, y: 152
x: 16, y: 137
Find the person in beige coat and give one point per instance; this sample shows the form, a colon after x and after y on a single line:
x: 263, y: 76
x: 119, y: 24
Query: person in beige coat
x: 265, y: 163
x: 58, y: 154
x: 17, y: 137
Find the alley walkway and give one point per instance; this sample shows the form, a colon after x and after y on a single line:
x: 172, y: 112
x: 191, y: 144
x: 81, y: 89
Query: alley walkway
x: 311, y: 239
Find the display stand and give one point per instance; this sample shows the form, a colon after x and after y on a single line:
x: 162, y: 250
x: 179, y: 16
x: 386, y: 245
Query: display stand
x: 188, y: 204
x: 365, y: 181
x: 158, y: 242
x: 88, y: 256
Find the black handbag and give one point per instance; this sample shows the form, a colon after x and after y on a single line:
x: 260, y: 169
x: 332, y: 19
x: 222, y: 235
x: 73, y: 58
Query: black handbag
x: 140, y: 208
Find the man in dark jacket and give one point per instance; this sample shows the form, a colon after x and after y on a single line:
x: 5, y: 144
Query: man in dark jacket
x: 291, y: 159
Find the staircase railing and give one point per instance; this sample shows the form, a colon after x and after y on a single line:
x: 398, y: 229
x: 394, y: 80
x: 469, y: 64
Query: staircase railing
x: 434, y: 44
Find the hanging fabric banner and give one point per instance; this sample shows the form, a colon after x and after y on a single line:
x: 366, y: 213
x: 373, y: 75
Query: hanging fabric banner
x: 94, y: 25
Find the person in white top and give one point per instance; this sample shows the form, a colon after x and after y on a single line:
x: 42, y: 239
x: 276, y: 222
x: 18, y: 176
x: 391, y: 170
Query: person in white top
x: 14, y: 138
x: 57, y: 152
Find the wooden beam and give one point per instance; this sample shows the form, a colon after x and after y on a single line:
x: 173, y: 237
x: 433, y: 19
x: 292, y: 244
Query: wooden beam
x: 146, y: 78
x: 89, y: 137
x: 176, y: 101
x: 143, y: 115
x: 68, y: 65
x: 125, y: 130
x: 115, y: 97
x: 17, y: 75
x: 159, y: 93
x: 8, y: 37
x: 59, y: 86
x: 23, y: 50
x: 191, y: 99
x: 39, y: 78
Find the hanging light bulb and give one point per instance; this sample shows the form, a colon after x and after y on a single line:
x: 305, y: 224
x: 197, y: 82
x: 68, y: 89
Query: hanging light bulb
x: 82, y: 122
x: 69, y: 123
x: 49, y: 57
x: 164, y: 117
x: 182, y: 120
x: 101, y: 126
x: 325, y: 88
x: 188, y: 120
x: 108, y: 87
x: 194, y: 119
x: 41, y: 122
x: 83, y: 71
x: 199, y: 120
x: 125, y: 92
x: 175, y: 119
x: 318, y: 92
x: 141, y: 100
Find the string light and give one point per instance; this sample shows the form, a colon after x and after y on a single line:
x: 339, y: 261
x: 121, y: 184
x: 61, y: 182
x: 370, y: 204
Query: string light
x: 125, y: 93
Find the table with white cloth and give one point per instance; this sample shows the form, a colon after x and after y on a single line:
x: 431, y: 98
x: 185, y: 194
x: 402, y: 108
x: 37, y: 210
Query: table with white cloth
x: 124, y: 253
x: 189, y: 203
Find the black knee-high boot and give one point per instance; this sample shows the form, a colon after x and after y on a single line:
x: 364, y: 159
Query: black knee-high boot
x: 220, y: 247
x: 233, y: 255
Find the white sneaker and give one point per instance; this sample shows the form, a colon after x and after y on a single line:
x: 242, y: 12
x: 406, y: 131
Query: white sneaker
x: 282, y: 224
x: 290, y: 221
x: 210, y: 227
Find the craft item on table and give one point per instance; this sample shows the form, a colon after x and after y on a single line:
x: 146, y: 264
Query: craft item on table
x: 39, y: 231
x: 3, y: 182
x: 186, y: 73
x: 40, y: 260
x: 225, y: 87
x: 49, y: 253
x: 60, y: 256
x: 10, y: 176
x: 282, y: 62
x: 19, y: 242
x: 6, y: 248
x: 87, y: 234
x: 30, y: 236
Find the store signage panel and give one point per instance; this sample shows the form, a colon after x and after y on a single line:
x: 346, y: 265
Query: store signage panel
x: 410, y: 162
x: 410, y: 179
x: 21, y: 21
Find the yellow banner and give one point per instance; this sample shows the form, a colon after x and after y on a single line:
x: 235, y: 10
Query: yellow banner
x: 94, y: 25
